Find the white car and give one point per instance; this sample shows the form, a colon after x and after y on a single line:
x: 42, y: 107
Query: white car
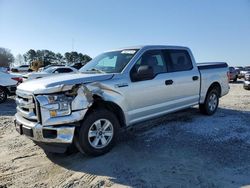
x: 49, y: 72
x: 21, y: 68
x: 8, y: 84
x: 4, y: 69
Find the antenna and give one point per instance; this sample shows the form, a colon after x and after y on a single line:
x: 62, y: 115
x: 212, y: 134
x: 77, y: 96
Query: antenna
x: 73, y: 44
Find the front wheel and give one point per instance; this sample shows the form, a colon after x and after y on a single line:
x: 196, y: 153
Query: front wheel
x: 211, y: 102
x: 3, y: 94
x: 97, y: 134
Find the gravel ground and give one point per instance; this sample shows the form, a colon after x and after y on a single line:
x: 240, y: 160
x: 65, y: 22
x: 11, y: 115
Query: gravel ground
x: 184, y: 149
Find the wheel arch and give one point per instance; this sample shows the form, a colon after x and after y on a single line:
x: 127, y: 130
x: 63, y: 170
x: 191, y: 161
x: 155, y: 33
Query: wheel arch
x: 214, y: 85
x: 203, y: 95
x: 99, y: 102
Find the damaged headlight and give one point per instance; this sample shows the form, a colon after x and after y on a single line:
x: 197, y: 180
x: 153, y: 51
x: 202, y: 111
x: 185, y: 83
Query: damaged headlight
x: 59, y: 105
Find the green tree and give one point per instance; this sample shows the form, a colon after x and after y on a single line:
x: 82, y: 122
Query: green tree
x: 46, y: 55
x: 59, y: 58
x: 74, y: 57
x: 85, y: 58
x: 6, y: 57
x: 30, y: 56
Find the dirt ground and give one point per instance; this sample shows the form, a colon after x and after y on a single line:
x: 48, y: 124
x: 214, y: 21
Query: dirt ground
x: 184, y: 149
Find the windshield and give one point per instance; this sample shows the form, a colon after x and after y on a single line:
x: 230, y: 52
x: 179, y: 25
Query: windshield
x: 110, y: 62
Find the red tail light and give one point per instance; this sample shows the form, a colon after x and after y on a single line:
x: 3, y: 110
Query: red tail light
x: 18, y: 79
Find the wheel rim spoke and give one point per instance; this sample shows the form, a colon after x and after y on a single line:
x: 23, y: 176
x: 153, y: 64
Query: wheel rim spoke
x: 98, y: 124
x: 103, y: 140
x: 106, y: 125
x: 96, y: 141
x: 107, y: 133
x: 92, y: 133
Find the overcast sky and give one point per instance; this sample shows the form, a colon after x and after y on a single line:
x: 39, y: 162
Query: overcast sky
x: 214, y: 30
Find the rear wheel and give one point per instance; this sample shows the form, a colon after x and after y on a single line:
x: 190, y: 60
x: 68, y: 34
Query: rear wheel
x: 3, y: 94
x: 211, y: 102
x: 97, y: 134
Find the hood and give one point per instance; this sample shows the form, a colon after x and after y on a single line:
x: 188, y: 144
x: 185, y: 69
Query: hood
x: 57, y: 82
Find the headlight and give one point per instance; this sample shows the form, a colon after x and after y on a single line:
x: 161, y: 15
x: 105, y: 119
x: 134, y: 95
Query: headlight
x: 59, y: 105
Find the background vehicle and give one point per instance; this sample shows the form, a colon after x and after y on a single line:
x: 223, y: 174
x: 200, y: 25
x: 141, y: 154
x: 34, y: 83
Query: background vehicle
x: 21, y: 68
x: 244, y: 71
x: 35, y: 65
x: 48, y: 66
x: 246, y: 84
x: 49, y: 72
x: 116, y: 89
x: 8, y: 83
x: 238, y: 70
x: 4, y: 69
x: 232, y: 74
x: 77, y: 65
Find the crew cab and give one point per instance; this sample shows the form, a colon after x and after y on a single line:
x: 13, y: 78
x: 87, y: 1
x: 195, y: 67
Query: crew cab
x: 118, y: 88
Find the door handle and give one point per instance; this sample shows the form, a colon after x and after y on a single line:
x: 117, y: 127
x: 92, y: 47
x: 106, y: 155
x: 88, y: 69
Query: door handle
x: 169, y: 82
x: 195, y: 78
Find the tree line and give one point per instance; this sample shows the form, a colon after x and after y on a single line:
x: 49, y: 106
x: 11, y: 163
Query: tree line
x: 7, y: 59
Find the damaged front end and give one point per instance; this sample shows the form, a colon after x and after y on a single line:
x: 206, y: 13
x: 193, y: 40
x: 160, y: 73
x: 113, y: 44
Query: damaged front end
x: 49, y: 116
x: 50, y: 119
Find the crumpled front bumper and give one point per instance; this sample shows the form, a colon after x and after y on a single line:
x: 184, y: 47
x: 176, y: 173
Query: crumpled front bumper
x: 62, y: 134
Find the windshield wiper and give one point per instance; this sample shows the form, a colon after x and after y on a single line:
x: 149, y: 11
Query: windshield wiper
x: 96, y: 70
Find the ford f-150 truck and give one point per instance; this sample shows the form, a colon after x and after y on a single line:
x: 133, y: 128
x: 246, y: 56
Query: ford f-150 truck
x: 116, y: 89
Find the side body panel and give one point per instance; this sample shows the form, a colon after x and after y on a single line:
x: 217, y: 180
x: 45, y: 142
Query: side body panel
x: 210, y: 76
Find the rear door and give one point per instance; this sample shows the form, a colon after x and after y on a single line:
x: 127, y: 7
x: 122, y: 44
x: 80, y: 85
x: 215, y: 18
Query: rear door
x: 185, y: 78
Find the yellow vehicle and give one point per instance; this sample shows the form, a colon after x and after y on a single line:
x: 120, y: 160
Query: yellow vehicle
x: 35, y: 65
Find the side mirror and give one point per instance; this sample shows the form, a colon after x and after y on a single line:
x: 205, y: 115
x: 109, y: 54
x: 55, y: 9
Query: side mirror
x: 144, y: 72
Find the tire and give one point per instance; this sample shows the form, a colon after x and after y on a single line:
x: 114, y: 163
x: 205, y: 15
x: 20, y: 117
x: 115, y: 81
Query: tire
x: 3, y: 94
x: 90, y: 140
x: 235, y: 80
x: 211, y: 102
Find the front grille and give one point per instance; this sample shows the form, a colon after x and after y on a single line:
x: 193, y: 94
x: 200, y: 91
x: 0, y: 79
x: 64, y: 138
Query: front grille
x: 26, y: 106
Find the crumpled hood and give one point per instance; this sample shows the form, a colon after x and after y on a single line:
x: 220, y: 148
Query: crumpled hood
x: 56, y: 83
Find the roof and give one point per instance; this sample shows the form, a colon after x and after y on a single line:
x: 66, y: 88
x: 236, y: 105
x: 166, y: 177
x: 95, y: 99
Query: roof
x: 148, y: 47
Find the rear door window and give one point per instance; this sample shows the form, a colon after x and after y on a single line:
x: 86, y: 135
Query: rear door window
x: 177, y: 60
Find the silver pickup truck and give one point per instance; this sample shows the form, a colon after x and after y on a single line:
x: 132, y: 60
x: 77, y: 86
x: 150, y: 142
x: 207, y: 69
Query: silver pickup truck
x: 116, y: 89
